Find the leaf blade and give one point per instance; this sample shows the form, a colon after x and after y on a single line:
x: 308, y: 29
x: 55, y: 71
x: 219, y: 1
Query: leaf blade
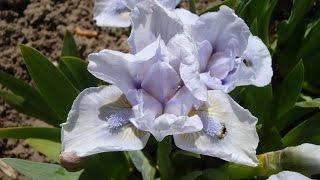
x: 306, y: 132
x: 55, y: 87
x: 69, y: 47
x: 31, y: 132
x: 31, y: 101
x: 142, y: 164
x: 49, y: 148
x: 285, y: 99
x: 40, y: 171
x: 76, y: 70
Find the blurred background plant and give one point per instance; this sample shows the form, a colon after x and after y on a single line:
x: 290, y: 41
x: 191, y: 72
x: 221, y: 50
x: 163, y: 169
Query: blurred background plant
x: 288, y: 109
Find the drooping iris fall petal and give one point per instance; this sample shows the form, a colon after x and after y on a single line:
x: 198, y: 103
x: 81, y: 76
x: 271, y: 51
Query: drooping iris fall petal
x: 99, y: 122
x: 229, y: 131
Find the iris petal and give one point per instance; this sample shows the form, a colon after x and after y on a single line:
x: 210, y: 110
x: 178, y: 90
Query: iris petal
x: 88, y: 128
x: 238, y: 139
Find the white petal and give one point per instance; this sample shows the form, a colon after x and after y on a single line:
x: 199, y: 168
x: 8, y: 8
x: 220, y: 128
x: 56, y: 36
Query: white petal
x: 170, y: 4
x: 148, y: 22
x: 186, y: 17
x: 145, y: 107
x: 212, y: 82
x: 205, y: 52
x: 126, y: 71
x: 181, y: 104
x: 87, y: 130
x: 288, y: 175
x: 113, y: 13
x: 223, y: 29
x: 258, y: 53
x: 255, y: 67
x: 185, y: 49
x: 112, y: 67
x: 161, y: 81
x: 169, y: 124
x: 221, y: 65
x: 240, y: 138
x: 145, y: 103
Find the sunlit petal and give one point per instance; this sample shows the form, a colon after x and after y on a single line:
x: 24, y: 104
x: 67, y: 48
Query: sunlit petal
x: 99, y: 122
x: 229, y: 131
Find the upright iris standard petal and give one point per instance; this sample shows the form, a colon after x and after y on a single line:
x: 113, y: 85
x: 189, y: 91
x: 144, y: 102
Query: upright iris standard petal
x: 228, y: 132
x: 181, y: 104
x: 161, y: 81
x: 223, y: 29
x: 229, y: 55
x: 148, y: 22
x: 288, y: 175
x: 184, y: 48
x: 255, y: 65
x: 99, y: 122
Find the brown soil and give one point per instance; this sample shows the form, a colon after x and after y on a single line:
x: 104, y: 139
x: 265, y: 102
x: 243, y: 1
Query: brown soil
x: 41, y: 24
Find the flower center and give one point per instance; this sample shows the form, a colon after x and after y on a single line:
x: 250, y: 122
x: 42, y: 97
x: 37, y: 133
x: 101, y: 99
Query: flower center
x: 213, y: 127
x: 118, y: 119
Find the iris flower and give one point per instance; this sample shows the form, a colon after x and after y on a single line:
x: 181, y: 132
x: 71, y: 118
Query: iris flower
x: 116, y: 13
x: 149, y: 95
x: 229, y: 55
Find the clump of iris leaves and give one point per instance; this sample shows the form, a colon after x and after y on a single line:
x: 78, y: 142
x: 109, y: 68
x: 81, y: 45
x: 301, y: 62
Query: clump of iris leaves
x: 287, y: 109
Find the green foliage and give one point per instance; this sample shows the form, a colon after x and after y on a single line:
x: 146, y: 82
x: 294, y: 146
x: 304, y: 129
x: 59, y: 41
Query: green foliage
x: 49, y: 148
x: 69, y: 47
x: 111, y: 165
x: 287, y: 93
x: 299, y: 11
x: 40, y: 171
x: 216, y: 6
x: 310, y: 103
x: 75, y: 70
x: 55, y: 87
x: 192, y: 6
x: 306, y: 132
x: 27, y: 99
x: 52, y: 134
x: 142, y: 164
x: 208, y: 174
x: 163, y: 158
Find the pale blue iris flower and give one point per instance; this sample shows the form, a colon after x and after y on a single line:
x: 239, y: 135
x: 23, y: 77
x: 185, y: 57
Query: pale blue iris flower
x: 230, y: 55
x: 157, y: 89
